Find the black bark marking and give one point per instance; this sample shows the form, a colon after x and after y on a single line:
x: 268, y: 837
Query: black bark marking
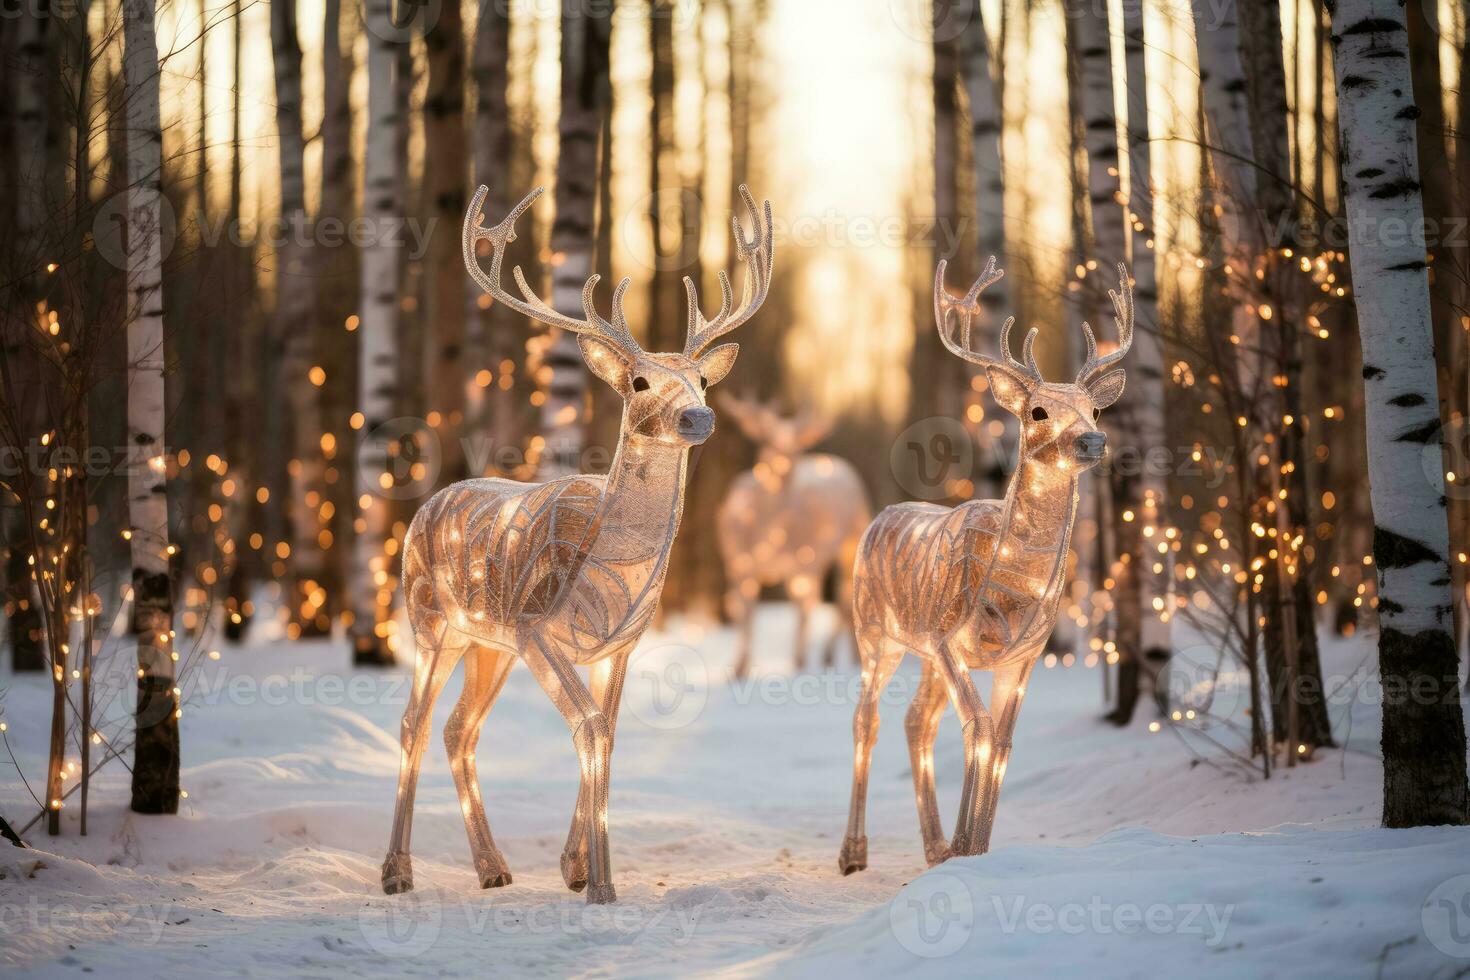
x: 1408, y: 112
x: 1414, y: 266
x: 1401, y: 187
x: 1422, y: 435
x: 1407, y: 400
x: 1393, y: 550
x: 1356, y: 82
x: 1368, y: 172
x: 1370, y: 372
x: 1373, y: 25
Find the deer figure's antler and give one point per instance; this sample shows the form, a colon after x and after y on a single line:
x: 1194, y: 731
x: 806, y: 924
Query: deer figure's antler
x: 615, y: 331
x: 955, y: 317
x: 757, y: 253
x: 1122, y: 299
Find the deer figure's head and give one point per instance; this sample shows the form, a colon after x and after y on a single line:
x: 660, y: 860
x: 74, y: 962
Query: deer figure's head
x: 1058, y: 421
x: 663, y: 393
x: 779, y: 439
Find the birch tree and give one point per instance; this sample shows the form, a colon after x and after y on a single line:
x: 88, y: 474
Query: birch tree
x: 1109, y: 245
x: 1146, y: 372
x: 295, y: 324
x: 371, y: 584
x: 1423, y: 739
x: 585, y: 96
x: 156, y: 748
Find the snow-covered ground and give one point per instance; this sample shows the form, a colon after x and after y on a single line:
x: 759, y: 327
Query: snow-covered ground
x: 1116, y: 853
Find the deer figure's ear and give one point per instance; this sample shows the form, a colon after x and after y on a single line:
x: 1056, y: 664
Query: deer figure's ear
x: 1107, y: 389
x: 1011, y: 393
x: 717, y: 363
x: 812, y: 427
x: 607, y: 361
x: 747, y: 417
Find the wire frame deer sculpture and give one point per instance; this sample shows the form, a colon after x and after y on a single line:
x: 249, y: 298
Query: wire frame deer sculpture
x: 976, y: 586
x: 566, y: 573
x: 789, y: 521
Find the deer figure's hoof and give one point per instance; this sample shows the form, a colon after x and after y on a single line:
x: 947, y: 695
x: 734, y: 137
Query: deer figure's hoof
x: 967, y: 845
x: 492, y: 871
x: 604, y: 894
x: 854, y: 855
x: 937, y: 853
x: 574, y: 869
x: 397, y: 873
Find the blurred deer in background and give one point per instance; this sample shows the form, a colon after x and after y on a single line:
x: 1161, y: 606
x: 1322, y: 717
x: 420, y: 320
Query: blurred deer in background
x: 565, y: 573
x: 976, y: 586
x: 788, y: 521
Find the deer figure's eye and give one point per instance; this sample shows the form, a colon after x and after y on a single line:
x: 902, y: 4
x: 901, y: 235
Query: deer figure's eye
x: 1039, y: 414
x: 640, y: 383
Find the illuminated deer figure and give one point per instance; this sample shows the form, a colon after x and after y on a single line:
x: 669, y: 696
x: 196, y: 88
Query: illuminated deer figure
x: 976, y: 587
x: 560, y: 574
x: 788, y: 521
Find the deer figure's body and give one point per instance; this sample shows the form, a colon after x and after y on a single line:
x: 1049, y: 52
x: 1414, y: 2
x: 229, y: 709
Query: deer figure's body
x: 789, y: 521
x: 976, y: 586
x: 560, y: 574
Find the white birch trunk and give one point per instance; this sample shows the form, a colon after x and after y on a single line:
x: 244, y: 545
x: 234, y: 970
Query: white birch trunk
x: 371, y: 583
x: 1100, y: 125
x: 295, y: 326
x: 156, y: 749
x: 583, y: 59
x: 1423, y: 726
x: 1146, y: 367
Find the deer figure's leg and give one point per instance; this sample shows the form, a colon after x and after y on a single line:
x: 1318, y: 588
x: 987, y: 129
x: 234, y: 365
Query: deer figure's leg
x: 805, y: 591
x: 485, y: 671
x: 979, y: 739
x: 740, y: 605
x: 607, y: 690
x: 592, y: 737
x: 921, y: 725
x: 1006, y: 693
x: 438, y: 650
x: 879, y: 659
x: 844, y: 615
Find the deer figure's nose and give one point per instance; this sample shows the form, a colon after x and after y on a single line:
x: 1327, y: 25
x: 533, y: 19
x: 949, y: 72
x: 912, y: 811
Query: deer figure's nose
x: 696, y: 424
x: 1090, y: 445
